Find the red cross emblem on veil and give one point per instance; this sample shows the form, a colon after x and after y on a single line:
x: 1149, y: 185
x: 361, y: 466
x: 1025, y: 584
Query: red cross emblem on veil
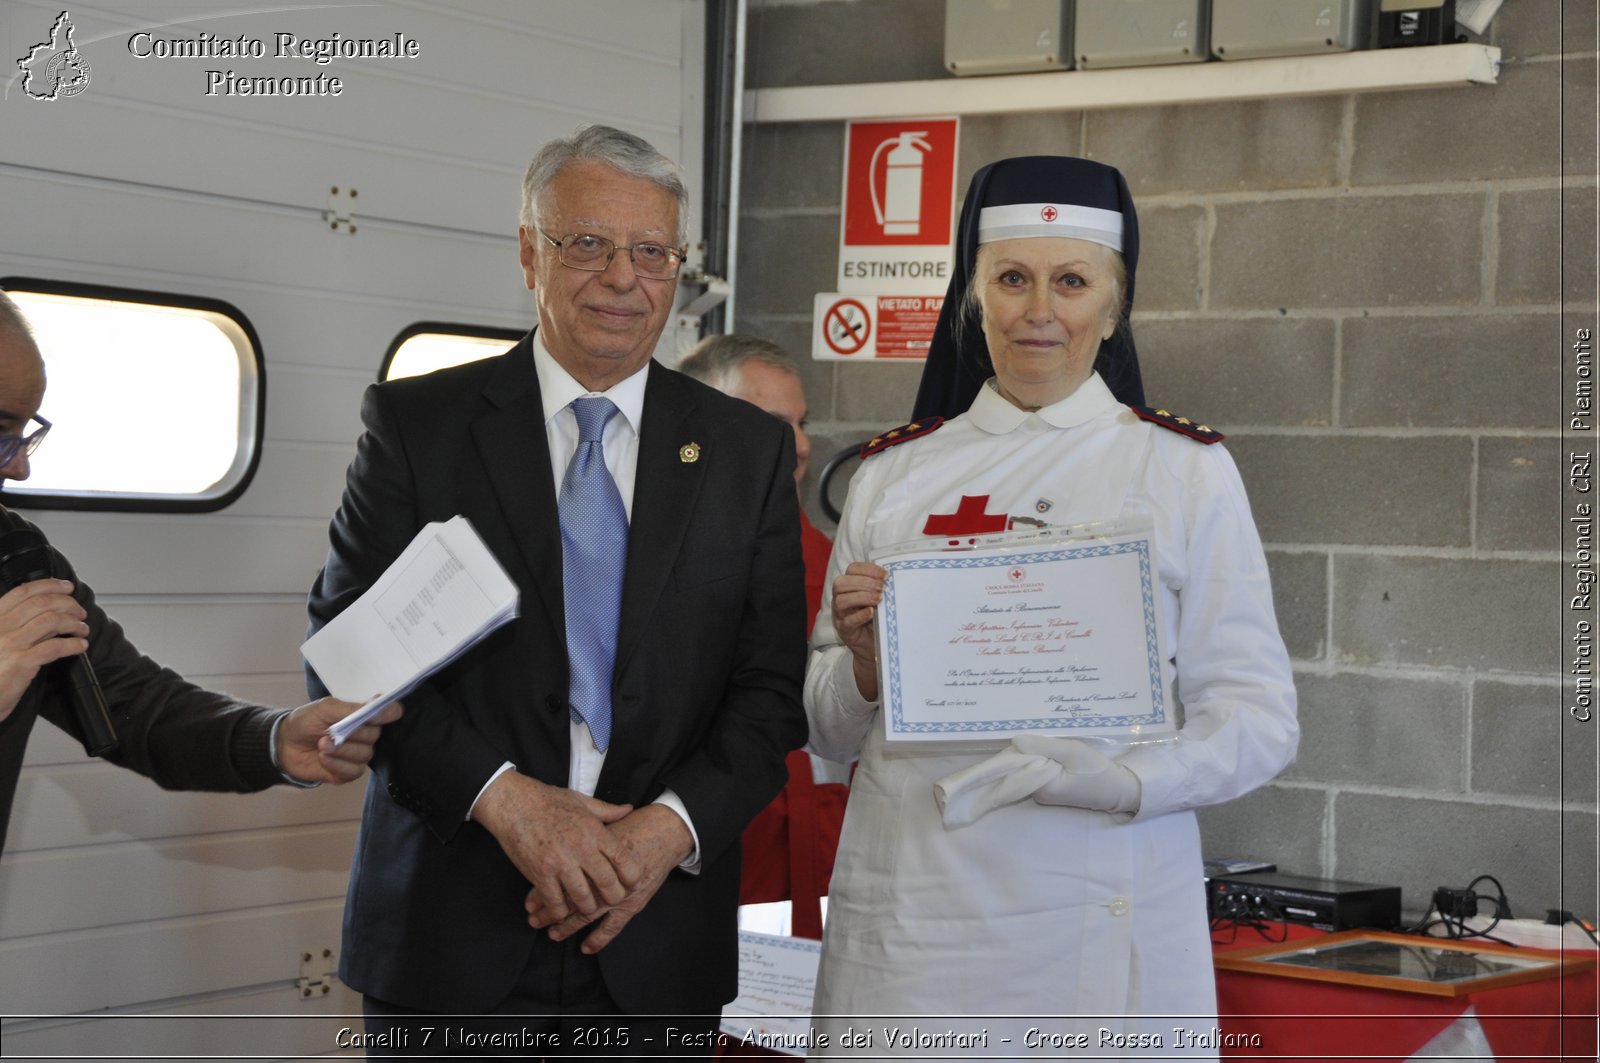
x: 1048, y: 213
x: 968, y: 519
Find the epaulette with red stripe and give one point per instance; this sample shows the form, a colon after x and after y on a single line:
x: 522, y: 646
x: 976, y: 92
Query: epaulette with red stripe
x: 1181, y: 425
x: 895, y: 436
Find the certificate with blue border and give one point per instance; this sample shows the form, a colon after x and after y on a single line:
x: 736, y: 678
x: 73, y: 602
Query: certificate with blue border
x: 1055, y: 633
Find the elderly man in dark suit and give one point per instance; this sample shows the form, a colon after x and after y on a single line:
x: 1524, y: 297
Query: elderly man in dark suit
x: 552, y: 830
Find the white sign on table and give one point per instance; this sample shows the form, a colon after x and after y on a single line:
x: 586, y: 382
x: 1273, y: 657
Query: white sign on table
x: 777, y: 976
x: 1054, y: 633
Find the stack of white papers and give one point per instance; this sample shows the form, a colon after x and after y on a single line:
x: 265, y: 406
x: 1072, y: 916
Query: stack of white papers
x: 444, y: 594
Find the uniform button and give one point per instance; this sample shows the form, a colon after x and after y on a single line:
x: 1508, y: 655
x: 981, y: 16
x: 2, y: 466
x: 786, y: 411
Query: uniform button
x: 1119, y: 906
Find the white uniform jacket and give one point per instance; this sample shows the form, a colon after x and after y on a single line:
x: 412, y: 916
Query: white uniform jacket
x: 1041, y: 910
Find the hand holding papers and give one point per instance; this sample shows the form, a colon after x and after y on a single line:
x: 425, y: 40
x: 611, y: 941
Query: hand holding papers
x: 1054, y: 633
x: 443, y: 595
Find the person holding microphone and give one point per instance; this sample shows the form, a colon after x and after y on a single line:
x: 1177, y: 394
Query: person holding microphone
x: 62, y: 658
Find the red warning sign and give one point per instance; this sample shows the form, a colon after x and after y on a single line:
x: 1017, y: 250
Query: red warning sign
x: 905, y: 324
x: 899, y: 206
x: 846, y: 327
x: 899, y: 182
x: 873, y: 327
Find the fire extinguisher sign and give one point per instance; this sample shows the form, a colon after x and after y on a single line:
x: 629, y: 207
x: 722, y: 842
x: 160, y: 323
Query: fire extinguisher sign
x: 899, y: 206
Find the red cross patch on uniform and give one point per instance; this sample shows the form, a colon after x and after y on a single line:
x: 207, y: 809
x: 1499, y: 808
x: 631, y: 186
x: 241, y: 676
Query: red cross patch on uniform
x: 895, y: 436
x: 968, y: 519
x: 1182, y: 425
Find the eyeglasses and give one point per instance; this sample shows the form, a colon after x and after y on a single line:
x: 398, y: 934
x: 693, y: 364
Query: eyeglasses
x: 10, y: 446
x: 594, y: 253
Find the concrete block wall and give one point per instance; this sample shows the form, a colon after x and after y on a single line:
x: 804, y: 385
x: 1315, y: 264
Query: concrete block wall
x: 1372, y: 295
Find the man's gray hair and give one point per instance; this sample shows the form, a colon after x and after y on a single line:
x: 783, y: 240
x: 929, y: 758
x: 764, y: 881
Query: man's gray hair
x: 621, y: 151
x: 715, y: 360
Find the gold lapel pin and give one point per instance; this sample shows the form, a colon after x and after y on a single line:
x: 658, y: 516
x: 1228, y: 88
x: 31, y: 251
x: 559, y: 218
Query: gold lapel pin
x: 689, y: 453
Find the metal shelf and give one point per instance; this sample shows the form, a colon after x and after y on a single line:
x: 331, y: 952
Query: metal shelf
x: 1386, y: 70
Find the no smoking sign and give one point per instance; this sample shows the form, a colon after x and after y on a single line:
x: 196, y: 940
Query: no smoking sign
x: 846, y: 327
x: 869, y: 328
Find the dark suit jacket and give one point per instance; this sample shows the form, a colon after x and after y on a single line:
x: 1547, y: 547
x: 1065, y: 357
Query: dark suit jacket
x: 706, y: 692
x: 183, y: 737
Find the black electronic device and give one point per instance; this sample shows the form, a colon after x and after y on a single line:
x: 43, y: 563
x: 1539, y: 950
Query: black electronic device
x: 1327, y: 904
x: 25, y: 557
x: 1409, y: 23
x: 1216, y: 867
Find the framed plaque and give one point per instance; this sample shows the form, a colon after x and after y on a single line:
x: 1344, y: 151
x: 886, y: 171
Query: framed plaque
x: 1055, y: 632
x: 1406, y: 962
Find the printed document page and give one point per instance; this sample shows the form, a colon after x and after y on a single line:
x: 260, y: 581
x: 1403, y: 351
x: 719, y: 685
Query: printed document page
x: 443, y: 595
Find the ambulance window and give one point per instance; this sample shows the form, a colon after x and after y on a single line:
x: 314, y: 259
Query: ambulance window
x: 430, y: 345
x: 155, y: 399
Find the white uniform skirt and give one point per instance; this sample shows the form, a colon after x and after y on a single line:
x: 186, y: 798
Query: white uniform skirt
x: 1037, y: 930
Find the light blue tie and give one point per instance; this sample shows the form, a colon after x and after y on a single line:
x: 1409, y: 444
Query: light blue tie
x: 594, y: 550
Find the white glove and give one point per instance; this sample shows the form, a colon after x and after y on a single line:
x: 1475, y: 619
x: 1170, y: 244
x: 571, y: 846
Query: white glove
x: 1053, y: 771
x: 1088, y: 778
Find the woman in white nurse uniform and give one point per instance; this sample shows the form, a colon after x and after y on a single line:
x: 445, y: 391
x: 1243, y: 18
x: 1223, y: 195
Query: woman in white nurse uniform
x: 1049, y: 882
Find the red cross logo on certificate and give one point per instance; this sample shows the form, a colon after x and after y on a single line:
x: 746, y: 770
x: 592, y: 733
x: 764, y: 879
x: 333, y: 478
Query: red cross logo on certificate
x: 968, y: 519
x: 1048, y: 213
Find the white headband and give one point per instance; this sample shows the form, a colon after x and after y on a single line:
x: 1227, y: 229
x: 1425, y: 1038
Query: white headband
x: 1018, y: 220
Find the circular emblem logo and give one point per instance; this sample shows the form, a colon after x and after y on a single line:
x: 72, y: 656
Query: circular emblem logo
x: 689, y: 453
x: 1049, y: 213
x: 67, y: 73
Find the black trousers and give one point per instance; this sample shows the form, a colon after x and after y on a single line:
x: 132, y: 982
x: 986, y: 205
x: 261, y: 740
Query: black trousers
x: 560, y: 1009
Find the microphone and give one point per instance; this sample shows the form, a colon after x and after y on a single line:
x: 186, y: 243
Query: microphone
x: 25, y: 557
